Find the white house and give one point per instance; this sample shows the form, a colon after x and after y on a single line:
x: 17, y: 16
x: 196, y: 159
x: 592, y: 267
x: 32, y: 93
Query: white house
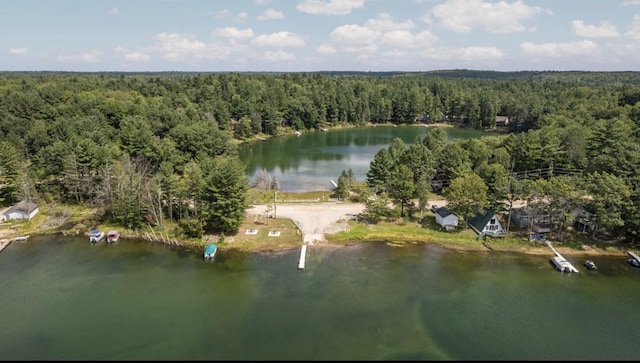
x: 21, y: 210
x: 446, y: 218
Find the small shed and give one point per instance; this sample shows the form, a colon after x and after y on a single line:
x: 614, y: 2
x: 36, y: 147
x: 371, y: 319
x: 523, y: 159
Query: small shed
x: 446, y: 218
x: 21, y: 210
x: 502, y: 120
x: 486, y: 223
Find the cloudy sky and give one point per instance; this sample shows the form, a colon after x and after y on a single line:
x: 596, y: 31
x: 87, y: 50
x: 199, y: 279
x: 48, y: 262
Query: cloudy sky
x: 319, y: 35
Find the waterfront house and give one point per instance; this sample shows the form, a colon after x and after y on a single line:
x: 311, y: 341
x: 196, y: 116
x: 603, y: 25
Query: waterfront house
x: 446, y: 218
x: 486, y: 223
x: 529, y: 218
x: 21, y: 210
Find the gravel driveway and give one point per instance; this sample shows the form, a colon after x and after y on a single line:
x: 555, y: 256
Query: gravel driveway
x: 314, y: 219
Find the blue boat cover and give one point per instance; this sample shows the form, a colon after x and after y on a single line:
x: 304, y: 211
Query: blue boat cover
x: 95, y: 232
x: 210, y: 249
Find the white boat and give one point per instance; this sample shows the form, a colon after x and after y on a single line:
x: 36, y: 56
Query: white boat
x: 113, y: 236
x: 96, y: 236
x: 561, y: 264
x: 634, y: 262
x: 590, y: 265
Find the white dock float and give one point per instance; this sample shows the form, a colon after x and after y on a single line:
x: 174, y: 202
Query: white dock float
x: 560, y: 262
x: 633, y: 255
x: 303, y: 256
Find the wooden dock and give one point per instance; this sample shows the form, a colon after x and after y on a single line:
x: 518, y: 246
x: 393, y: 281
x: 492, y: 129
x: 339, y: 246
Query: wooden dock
x: 6, y: 242
x: 561, y: 263
x: 303, y: 257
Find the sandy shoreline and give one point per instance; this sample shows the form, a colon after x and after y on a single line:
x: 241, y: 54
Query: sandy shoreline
x: 315, y: 220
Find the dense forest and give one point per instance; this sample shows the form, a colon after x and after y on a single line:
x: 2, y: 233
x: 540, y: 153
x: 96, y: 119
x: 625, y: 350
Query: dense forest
x: 151, y: 147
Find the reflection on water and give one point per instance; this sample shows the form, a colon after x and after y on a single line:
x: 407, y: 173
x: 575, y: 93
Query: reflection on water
x: 64, y: 298
x: 311, y: 160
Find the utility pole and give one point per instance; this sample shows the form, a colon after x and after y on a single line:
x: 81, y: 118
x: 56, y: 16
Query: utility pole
x: 275, y: 197
x: 513, y: 162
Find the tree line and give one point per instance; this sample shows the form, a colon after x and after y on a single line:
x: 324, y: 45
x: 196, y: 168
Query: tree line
x: 151, y: 147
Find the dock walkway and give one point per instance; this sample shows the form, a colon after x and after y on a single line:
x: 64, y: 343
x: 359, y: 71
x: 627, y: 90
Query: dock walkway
x: 303, y: 257
x: 561, y: 263
x: 7, y: 241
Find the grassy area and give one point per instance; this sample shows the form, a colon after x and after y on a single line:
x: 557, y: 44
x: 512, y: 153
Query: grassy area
x: 403, y: 231
x: 255, y: 196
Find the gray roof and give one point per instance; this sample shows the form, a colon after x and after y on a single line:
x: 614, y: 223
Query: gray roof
x: 444, y: 212
x: 23, y: 207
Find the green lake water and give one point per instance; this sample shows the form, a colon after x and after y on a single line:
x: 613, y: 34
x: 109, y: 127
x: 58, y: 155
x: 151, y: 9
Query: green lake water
x: 66, y: 299
x: 310, y: 161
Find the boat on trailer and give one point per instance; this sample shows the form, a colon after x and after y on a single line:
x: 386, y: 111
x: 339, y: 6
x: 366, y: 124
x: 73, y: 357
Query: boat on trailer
x: 210, y: 251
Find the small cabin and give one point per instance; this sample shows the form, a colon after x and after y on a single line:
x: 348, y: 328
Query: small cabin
x: 21, y: 211
x: 446, y: 218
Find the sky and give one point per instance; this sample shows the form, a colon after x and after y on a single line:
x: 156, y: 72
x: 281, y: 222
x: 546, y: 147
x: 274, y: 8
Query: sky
x: 319, y: 35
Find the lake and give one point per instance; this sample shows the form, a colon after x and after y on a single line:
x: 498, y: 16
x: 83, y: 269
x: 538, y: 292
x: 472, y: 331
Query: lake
x: 310, y: 161
x: 66, y: 299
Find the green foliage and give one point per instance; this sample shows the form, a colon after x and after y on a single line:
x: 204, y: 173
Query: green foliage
x: 71, y: 133
x: 466, y: 194
x: 191, y: 228
x: 223, y: 197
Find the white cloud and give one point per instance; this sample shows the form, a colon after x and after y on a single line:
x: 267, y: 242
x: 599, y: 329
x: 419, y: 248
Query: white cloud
x: 136, y: 57
x: 18, y: 51
x: 330, y: 7
x: 630, y: 3
x: 385, y: 21
x: 280, y: 39
x: 278, y: 56
x: 354, y: 35
x: 261, y: 2
x: 114, y: 11
x: 242, y: 16
x: 634, y: 31
x: 406, y: 39
x: 90, y: 57
x: 270, y: 14
x: 605, y: 30
x: 233, y: 33
x: 559, y: 50
x: 177, y: 47
x: 462, y: 16
x: 474, y: 54
x: 326, y: 49
x: 221, y: 14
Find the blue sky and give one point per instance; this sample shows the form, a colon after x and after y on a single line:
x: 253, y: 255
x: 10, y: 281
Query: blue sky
x: 319, y: 35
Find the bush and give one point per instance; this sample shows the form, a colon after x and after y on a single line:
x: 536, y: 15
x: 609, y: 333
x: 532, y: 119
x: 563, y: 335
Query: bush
x: 191, y: 228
